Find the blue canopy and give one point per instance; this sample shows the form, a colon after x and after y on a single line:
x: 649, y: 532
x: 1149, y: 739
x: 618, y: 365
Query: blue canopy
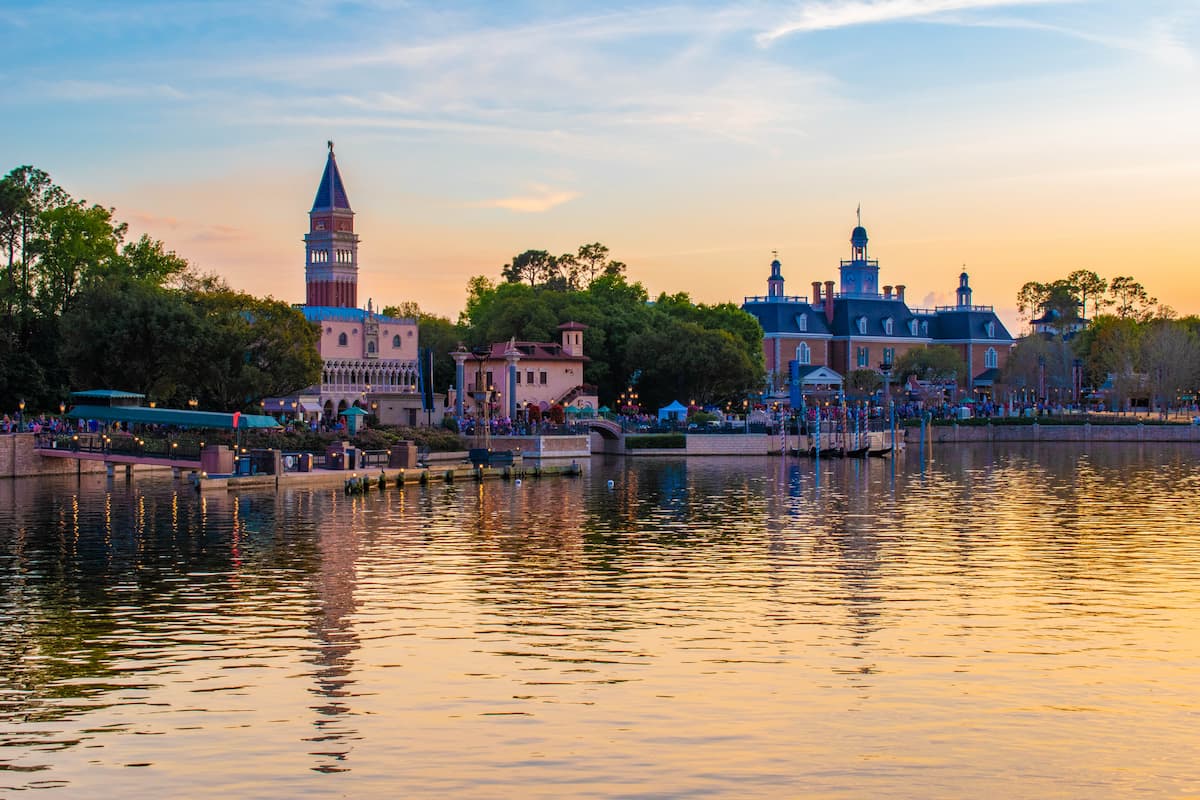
x: 675, y: 411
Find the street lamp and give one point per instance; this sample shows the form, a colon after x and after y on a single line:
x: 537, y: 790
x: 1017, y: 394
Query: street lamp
x: 192, y: 403
x: 21, y: 414
x: 886, y: 369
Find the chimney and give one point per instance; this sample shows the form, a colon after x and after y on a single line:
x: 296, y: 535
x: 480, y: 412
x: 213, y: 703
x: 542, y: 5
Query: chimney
x: 829, y: 302
x: 816, y: 298
x: 900, y: 293
x: 887, y: 293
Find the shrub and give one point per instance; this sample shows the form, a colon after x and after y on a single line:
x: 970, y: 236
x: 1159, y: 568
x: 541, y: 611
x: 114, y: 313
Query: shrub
x: 655, y: 441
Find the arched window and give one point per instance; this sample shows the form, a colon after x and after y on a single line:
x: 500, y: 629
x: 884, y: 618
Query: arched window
x: 396, y: 340
x: 887, y: 326
x: 991, y: 330
x: 342, y: 340
x: 862, y: 324
x: 989, y: 358
x: 803, y: 353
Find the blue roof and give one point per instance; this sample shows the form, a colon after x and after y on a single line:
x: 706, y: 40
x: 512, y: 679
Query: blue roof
x: 108, y: 394
x: 339, y: 314
x: 331, y: 194
x: 172, y: 416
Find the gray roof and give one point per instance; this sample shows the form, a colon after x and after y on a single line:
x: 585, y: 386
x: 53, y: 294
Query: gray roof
x: 971, y: 323
x: 781, y: 317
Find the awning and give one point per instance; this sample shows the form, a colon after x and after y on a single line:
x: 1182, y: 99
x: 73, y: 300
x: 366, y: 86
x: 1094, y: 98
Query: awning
x: 180, y: 418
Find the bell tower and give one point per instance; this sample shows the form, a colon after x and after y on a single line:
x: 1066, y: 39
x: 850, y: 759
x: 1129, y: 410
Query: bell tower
x: 331, y: 245
x: 860, y: 275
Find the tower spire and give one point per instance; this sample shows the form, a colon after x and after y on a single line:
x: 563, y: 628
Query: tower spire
x: 331, y: 266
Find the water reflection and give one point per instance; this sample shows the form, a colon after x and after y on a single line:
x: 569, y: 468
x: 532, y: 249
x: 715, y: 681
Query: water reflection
x: 727, y: 626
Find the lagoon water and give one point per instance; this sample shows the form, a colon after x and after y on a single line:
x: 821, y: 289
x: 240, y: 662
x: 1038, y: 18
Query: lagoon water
x: 1020, y: 621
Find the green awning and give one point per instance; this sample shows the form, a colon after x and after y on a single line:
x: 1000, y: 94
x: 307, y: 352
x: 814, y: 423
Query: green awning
x: 216, y: 420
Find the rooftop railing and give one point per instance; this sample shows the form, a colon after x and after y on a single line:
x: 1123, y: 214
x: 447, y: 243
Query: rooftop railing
x: 965, y: 308
x: 787, y: 298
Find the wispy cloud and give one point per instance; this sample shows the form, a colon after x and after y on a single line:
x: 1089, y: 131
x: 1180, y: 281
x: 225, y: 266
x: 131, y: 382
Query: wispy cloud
x: 821, y: 16
x: 1159, y: 40
x: 538, y: 199
x: 103, y: 90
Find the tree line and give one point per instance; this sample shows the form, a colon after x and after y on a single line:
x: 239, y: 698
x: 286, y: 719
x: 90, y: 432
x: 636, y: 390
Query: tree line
x: 667, y: 349
x: 1138, y: 349
x: 81, y: 307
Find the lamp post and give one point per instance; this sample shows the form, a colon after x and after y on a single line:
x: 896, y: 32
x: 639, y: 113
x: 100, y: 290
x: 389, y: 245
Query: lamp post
x: 21, y: 415
x: 192, y: 403
x: 886, y: 369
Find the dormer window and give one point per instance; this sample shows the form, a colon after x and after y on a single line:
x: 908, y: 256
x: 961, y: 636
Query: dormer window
x: 862, y: 324
x: 991, y: 330
x: 802, y: 323
x: 924, y: 327
x: 912, y: 327
x: 888, y: 326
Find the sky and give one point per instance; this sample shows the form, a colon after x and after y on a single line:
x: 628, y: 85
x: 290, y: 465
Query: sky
x: 1020, y: 139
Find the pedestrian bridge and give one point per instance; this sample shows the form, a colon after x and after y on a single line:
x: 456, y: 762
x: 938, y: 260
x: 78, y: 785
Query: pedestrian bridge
x: 611, y: 434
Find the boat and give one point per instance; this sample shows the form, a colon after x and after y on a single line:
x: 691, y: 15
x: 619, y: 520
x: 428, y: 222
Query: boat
x: 882, y: 452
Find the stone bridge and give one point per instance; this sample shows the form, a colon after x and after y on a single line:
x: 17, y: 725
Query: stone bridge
x: 611, y: 435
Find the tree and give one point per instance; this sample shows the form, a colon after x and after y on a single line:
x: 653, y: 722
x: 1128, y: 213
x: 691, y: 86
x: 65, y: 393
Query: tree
x: 1169, y: 360
x: 251, y: 349
x: 864, y: 381
x: 77, y: 246
x: 683, y: 360
x: 1031, y: 297
x: 143, y: 348
x: 1130, y: 299
x: 436, y: 334
x: 535, y: 266
x: 1089, y: 285
x: 939, y: 363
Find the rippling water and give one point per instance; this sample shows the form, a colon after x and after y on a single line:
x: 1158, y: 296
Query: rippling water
x: 1013, y: 621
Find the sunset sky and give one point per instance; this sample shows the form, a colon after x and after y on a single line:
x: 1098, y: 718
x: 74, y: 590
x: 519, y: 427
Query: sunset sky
x: 1021, y: 138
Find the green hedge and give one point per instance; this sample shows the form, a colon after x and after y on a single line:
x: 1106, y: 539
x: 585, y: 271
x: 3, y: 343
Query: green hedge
x: 656, y: 441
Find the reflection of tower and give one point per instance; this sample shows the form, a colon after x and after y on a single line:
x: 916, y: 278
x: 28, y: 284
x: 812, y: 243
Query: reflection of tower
x: 331, y: 266
x: 334, y: 633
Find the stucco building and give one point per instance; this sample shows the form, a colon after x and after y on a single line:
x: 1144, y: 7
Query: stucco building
x: 863, y: 324
x: 511, y: 376
x: 369, y: 360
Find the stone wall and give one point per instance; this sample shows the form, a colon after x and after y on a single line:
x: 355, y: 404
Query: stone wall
x: 546, y: 446
x: 19, y: 459
x: 967, y: 434
x: 734, y: 444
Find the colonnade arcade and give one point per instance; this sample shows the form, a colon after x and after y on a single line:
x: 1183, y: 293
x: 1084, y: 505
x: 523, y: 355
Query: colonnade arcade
x: 357, y: 375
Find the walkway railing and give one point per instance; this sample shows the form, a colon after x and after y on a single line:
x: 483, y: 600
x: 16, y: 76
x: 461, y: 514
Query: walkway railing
x: 125, y: 445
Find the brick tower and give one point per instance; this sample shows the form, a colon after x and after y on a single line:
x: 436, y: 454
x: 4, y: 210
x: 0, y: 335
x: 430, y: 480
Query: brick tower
x: 331, y: 265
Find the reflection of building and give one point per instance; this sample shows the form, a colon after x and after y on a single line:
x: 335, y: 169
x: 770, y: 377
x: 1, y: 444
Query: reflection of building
x: 520, y: 374
x: 833, y: 334
x: 370, y: 360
